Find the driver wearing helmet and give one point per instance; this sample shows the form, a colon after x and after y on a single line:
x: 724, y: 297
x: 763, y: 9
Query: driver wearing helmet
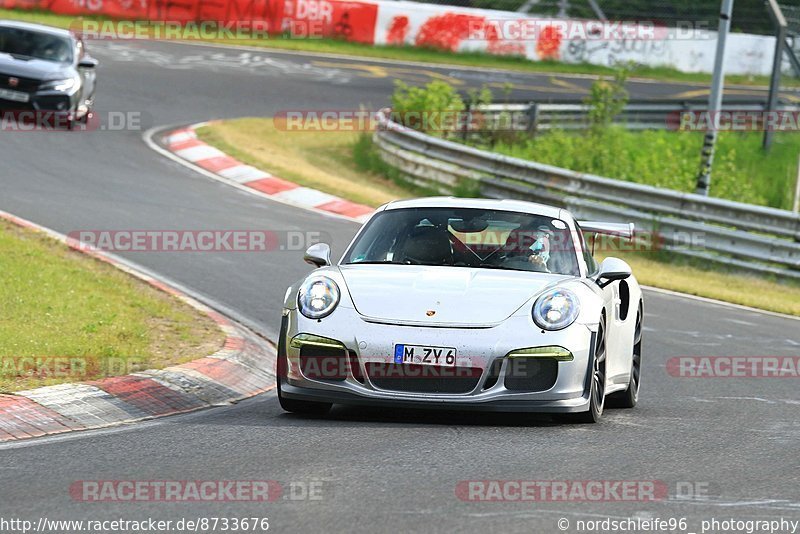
x: 539, y: 251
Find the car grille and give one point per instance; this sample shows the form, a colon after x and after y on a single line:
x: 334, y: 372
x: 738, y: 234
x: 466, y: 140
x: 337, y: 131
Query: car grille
x: 531, y: 374
x: 423, y: 378
x: 323, y: 363
x: 26, y: 85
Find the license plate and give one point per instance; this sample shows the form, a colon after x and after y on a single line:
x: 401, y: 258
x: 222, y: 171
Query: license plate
x: 425, y: 355
x: 15, y: 96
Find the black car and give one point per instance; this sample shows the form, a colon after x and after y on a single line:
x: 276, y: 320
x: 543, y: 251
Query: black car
x: 45, y: 69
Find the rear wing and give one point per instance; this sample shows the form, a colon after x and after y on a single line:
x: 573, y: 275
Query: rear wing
x: 618, y: 229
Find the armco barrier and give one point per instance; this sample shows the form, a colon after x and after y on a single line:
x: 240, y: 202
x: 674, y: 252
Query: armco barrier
x: 637, y: 115
x: 753, y: 238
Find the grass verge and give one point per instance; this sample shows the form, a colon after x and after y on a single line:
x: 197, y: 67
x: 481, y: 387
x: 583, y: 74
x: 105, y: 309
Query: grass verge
x: 373, y: 182
x: 321, y: 160
x: 67, y: 317
x: 433, y: 56
x: 694, y: 278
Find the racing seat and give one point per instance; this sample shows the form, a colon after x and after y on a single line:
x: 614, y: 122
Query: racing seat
x: 429, y: 245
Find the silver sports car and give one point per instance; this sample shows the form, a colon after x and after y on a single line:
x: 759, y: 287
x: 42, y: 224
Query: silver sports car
x: 464, y: 304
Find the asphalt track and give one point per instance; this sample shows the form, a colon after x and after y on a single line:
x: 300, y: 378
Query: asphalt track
x: 381, y: 470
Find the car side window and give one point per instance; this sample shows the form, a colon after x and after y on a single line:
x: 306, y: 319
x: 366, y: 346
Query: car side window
x: 80, y: 49
x: 591, y: 263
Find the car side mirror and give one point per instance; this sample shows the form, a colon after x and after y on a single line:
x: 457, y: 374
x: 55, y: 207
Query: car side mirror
x: 611, y: 270
x: 318, y: 255
x: 88, y: 63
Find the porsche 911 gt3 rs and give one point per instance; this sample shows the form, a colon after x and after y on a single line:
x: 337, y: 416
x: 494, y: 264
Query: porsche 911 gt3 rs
x: 464, y: 304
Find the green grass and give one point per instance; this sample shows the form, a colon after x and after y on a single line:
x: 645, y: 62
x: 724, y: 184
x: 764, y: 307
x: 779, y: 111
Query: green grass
x: 432, y: 56
x: 742, y: 170
x: 322, y: 160
x: 63, y: 306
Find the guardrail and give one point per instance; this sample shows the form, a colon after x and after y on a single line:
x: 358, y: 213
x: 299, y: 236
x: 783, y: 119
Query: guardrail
x: 637, y: 115
x: 753, y: 238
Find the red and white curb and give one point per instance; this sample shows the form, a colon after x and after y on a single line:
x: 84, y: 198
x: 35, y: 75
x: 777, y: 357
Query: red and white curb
x: 242, y: 368
x: 184, y: 144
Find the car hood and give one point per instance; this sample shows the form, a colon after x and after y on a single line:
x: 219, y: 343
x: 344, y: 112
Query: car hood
x: 407, y: 294
x: 36, y: 69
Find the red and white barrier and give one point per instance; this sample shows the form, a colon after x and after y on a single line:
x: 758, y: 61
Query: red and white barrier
x: 185, y: 145
x: 450, y: 28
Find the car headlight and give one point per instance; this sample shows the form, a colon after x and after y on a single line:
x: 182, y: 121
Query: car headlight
x: 317, y: 297
x: 62, y: 86
x: 556, y: 309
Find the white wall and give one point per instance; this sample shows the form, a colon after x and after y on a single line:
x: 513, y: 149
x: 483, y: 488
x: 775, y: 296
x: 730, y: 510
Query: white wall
x: 681, y: 49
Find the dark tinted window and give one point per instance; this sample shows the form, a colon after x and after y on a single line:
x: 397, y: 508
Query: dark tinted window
x: 36, y: 45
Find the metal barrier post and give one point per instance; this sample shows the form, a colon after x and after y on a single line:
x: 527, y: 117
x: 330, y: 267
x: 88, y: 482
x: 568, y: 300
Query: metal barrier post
x: 715, y: 100
x: 533, y: 118
x: 775, y: 80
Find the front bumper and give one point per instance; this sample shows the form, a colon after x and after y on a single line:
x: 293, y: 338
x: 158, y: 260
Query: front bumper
x: 498, y: 403
x: 367, y: 345
x: 45, y: 101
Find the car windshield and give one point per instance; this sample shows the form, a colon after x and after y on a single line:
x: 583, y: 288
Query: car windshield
x: 21, y: 42
x: 467, y: 237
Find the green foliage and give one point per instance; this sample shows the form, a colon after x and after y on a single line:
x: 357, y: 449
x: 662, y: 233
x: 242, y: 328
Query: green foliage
x: 606, y: 100
x: 366, y: 156
x: 434, y: 104
x: 742, y: 170
x: 467, y: 188
x: 479, y: 97
x: 481, y: 128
